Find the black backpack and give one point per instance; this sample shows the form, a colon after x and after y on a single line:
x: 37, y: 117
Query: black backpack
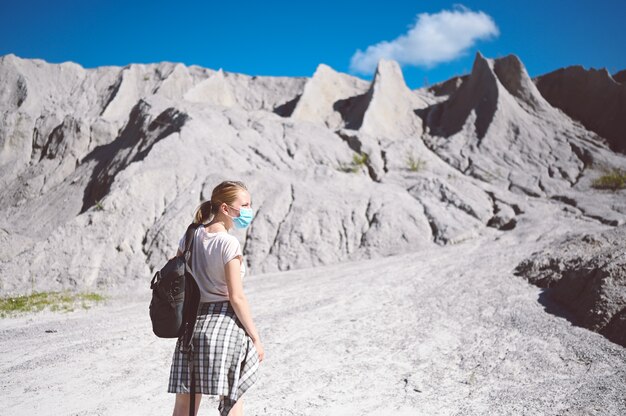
x: 175, y: 295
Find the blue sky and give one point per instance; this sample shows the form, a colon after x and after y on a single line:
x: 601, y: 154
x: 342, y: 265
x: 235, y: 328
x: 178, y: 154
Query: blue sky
x: 291, y: 38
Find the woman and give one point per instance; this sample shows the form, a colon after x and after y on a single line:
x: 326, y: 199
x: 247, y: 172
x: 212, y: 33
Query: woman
x: 225, y: 340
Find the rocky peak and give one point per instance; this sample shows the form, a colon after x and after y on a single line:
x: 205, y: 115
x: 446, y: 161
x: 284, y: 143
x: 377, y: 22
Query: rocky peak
x: 213, y: 90
x: 513, y: 76
x: 391, y: 104
x: 478, y: 94
x: 620, y: 76
x: 447, y: 87
x: 322, y: 91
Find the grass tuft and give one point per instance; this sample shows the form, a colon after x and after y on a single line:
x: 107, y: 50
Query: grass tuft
x: 54, y: 301
x: 415, y: 165
x: 614, y: 180
x: 358, y: 160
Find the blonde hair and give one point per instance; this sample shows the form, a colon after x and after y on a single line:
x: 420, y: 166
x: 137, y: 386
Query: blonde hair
x: 225, y: 192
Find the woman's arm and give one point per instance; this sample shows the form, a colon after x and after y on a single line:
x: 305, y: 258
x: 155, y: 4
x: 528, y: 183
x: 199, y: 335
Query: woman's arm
x: 239, y: 301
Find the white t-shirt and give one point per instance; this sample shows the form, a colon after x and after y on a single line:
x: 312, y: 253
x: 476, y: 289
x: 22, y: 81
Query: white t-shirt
x: 211, y: 251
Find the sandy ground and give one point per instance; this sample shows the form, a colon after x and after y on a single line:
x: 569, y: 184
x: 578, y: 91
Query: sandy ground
x: 449, y: 331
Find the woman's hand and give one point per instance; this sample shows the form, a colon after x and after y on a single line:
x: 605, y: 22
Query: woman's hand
x: 259, y: 349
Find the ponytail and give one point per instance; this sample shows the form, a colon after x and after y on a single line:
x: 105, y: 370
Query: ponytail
x: 203, y: 212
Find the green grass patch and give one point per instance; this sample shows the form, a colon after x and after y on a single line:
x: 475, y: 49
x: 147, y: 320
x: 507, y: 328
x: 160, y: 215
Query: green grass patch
x: 415, y: 165
x: 358, y: 160
x: 614, y: 180
x: 54, y: 301
x: 98, y: 206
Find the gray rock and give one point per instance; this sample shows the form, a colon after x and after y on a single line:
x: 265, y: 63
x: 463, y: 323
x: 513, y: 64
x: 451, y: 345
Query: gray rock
x: 391, y: 105
x: 590, y: 96
x: 447, y: 88
x: 453, y: 214
x: 498, y: 128
x: 620, y: 76
x: 321, y: 93
x: 101, y: 168
x: 503, y: 216
x: 586, y: 275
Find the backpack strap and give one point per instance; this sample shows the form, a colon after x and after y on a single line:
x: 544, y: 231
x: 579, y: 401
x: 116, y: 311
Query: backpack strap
x: 192, y: 299
x: 189, y: 237
x: 192, y: 292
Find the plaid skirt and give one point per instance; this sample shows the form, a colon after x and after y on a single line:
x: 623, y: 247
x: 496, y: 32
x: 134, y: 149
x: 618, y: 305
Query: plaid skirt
x: 225, y: 360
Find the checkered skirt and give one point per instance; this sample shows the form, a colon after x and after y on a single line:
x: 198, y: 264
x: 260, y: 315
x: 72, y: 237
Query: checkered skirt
x: 226, y: 362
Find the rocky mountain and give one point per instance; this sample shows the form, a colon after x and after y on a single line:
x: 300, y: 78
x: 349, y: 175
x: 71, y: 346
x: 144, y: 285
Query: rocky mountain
x: 100, y: 169
x: 620, y: 76
x: 431, y: 229
x: 592, y: 97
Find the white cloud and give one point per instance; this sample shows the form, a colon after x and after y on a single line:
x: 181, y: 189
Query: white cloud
x: 434, y: 38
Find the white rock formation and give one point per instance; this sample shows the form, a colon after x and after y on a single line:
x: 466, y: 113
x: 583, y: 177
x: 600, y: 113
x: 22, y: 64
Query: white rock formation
x: 326, y: 88
x: 102, y: 168
x: 213, y: 90
x: 356, y: 188
x: 498, y: 127
x: 391, y: 105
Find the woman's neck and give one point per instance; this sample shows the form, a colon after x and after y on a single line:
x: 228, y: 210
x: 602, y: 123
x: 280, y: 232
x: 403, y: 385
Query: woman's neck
x: 215, y: 227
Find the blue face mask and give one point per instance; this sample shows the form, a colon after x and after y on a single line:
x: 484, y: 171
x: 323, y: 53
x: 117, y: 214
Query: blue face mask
x: 245, y: 217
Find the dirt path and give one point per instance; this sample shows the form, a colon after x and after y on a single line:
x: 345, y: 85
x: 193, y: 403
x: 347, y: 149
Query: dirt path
x: 444, y: 332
